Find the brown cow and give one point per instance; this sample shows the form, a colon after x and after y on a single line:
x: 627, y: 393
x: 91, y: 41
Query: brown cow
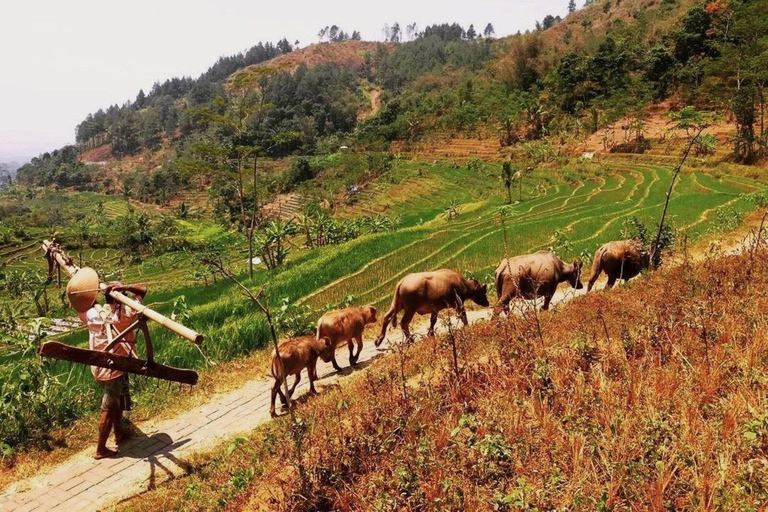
x: 534, y: 275
x: 623, y: 259
x: 431, y: 292
x: 345, y: 325
x: 296, y: 354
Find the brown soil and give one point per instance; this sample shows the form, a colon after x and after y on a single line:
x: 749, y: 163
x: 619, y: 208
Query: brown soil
x: 350, y: 54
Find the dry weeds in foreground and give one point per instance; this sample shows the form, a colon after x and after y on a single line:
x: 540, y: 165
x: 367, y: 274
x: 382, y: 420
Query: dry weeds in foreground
x: 651, y: 396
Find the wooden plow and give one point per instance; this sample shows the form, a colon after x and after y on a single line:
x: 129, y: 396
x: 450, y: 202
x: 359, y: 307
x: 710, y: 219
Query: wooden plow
x: 57, y: 260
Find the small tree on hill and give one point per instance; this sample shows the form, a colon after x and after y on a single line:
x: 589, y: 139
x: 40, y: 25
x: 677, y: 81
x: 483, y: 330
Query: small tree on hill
x: 235, y: 151
x: 572, y: 6
x: 694, y: 121
x: 489, y: 31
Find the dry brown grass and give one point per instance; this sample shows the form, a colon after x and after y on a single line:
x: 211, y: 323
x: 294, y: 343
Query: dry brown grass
x: 348, y: 54
x: 651, y: 396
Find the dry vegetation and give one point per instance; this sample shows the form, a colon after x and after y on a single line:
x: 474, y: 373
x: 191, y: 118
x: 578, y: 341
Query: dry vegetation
x: 349, y: 54
x: 648, y: 397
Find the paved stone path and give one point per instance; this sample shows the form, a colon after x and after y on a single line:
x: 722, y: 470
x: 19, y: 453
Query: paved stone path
x: 158, y: 454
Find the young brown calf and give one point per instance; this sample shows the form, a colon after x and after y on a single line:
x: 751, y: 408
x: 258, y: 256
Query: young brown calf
x: 296, y: 354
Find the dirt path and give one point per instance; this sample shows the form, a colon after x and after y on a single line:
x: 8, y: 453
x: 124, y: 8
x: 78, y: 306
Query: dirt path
x: 161, y: 451
x: 374, y: 96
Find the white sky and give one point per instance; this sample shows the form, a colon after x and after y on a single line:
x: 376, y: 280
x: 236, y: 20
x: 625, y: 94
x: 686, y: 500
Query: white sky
x: 61, y: 59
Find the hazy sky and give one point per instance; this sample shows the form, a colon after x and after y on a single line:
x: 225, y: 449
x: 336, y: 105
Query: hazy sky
x: 61, y: 59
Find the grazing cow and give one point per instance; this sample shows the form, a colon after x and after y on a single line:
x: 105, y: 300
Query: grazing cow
x: 296, y: 354
x: 431, y: 292
x: 345, y: 325
x: 623, y: 259
x: 534, y: 275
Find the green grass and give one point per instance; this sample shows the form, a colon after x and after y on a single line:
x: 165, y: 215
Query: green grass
x: 589, y: 209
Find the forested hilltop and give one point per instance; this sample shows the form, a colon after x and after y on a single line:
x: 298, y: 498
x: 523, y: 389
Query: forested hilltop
x: 560, y: 83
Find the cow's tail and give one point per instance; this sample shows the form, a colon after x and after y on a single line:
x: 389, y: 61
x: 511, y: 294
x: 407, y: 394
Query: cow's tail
x: 275, y: 366
x: 597, y: 267
x: 500, y: 281
x: 391, y: 315
x: 396, y: 306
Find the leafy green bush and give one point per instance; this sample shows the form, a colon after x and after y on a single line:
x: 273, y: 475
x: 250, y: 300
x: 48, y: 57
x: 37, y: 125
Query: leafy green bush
x: 33, y: 399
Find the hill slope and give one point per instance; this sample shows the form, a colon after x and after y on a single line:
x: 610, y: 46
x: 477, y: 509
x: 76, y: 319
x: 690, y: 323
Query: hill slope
x: 649, y: 395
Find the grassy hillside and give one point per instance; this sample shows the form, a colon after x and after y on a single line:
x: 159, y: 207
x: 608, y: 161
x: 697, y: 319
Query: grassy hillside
x: 650, y: 396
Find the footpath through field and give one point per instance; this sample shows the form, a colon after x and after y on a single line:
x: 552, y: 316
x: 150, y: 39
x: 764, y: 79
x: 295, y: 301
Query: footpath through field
x: 159, y: 453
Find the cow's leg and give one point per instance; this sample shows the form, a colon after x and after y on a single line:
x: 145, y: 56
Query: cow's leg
x: 547, y: 300
x: 593, y: 279
x: 432, y: 322
x: 460, y: 309
x: 359, y: 342
x: 280, y: 392
x: 312, y: 373
x: 351, y: 346
x: 503, y: 305
x: 333, y: 361
x: 406, y: 321
x: 508, y: 291
x: 295, y: 383
x: 610, y: 283
x: 463, y: 315
x: 391, y: 316
x: 275, y: 390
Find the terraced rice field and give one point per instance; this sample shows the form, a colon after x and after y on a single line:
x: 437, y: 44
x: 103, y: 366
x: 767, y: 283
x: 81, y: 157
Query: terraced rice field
x: 587, y: 212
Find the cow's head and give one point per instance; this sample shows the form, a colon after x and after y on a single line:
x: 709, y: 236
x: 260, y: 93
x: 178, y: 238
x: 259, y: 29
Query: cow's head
x: 325, y: 349
x: 369, y: 312
x: 480, y: 293
x: 575, y: 279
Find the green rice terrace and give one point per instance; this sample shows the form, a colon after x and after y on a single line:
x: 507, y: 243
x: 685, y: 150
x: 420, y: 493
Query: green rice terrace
x: 449, y: 217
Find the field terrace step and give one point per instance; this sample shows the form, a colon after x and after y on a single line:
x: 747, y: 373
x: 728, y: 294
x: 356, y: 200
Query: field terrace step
x: 460, y: 148
x: 285, y: 206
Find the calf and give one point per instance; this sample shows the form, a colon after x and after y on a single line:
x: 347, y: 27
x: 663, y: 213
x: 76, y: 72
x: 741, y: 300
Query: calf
x: 345, y: 325
x: 296, y: 354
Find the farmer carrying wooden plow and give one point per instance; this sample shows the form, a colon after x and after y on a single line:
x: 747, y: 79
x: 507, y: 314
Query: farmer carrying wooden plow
x: 104, y: 324
x: 112, y: 339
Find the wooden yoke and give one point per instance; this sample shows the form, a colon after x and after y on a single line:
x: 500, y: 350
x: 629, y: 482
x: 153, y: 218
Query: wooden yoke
x: 58, y: 259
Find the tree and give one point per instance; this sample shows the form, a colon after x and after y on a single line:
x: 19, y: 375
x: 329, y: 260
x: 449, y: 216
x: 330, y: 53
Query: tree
x: 549, y: 22
x: 471, y: 33
x: 284, y: 46
x: 412, y: 31
x: 141, y: 99
x: 489, y: 31
x: 149, y: 129
x: 235, y: 150
x: 271, y: 243
x: 572, y: 6
x: 125, y: 136
x: 395, y: 33
x: 689, y: 119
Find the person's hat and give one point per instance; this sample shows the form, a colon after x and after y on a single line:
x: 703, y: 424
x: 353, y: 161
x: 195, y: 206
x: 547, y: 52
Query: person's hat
x: 83, y: 288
